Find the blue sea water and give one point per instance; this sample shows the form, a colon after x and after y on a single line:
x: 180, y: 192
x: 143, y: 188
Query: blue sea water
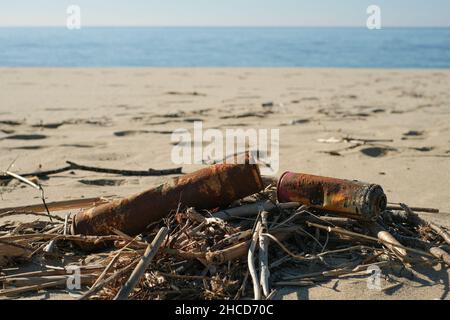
x: 226, y: 47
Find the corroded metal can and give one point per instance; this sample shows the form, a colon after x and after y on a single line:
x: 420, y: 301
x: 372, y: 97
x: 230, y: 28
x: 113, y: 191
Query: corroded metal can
x: 211, y: 187
x: 351, y: 198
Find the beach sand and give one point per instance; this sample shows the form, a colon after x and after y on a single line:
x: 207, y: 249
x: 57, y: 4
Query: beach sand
x: 122, y: 118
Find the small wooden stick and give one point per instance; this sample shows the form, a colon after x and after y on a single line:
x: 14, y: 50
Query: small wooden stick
x: 417, y: 209
x: 358, y: 235
x: 197, y: 217
x: 387, y: 238
x: 440, y: 231
x: 247, y: 210
x: 415, y: 218
x: 50, y: 247
x: 47, y: 236
x: 63, y: 271
x: 111, y: 263
x: 242, y: 287
x: 14, y: 213
x: 236, y: 237
x: 251, y: 263
x: 241, y: 249
x: 336, y: 272
x: 103, y: 283
x: 434, y: 250
x: 183, y: 276
x: 440, y: 254
x: 149, y: 172
x: 34, y: 185
x: 228, y: 254
x: 8, y: 249
x: 37, y: 287
x: 264, y: 255
x: 143, y: 264
x: 31, y: 281
x: 57, y: 206
x: 66, y: 221
x: 288, y: 205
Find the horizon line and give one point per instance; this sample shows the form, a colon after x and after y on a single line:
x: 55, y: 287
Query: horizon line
x: 225, y: 26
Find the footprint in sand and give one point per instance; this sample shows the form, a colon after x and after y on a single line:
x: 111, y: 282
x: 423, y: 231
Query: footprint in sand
x: 376, y: 152
x: 137, y: 132
x: 178, y: 93
x: 411, y: 134
x: 103, y: 182
x: 423, y: 149
x: 247, y: 115
x: 76, y: 145
x: 296, y: 122
x: 10, y: 122
x: 129, y: 133
x: 25, y: 137
x: 28, y: 148
x: 190, y: 120
x: 48, y: 125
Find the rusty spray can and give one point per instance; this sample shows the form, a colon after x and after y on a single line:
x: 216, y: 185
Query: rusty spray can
x: 352, y: 198
x: 215, y: 186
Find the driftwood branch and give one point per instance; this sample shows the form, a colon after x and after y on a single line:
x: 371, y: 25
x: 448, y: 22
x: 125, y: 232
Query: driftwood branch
x: 149, y: 172
x: 75, y: 166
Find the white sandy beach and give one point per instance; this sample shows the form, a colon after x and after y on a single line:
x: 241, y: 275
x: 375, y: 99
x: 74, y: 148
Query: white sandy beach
x: 122, y: 118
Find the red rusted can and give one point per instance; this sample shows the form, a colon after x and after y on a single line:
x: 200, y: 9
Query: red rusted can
x: 211, y: 187
x: 352, y: 198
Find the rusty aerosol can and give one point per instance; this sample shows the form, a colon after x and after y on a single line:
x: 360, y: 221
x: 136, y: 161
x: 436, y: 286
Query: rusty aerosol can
x: 208, y: 188
x: 349, y: 197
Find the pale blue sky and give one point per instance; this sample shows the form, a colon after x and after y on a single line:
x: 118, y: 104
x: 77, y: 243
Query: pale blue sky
x: 225, y: 12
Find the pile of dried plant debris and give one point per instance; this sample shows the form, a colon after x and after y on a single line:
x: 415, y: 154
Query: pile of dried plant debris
x: 246, y: 251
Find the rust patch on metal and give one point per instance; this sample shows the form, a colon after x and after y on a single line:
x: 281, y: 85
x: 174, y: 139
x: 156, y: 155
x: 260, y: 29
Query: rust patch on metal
x: 355, y: 198
x: 208, y: 188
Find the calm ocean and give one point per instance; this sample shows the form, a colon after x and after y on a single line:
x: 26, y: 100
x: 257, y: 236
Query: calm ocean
x: 226, y: 47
